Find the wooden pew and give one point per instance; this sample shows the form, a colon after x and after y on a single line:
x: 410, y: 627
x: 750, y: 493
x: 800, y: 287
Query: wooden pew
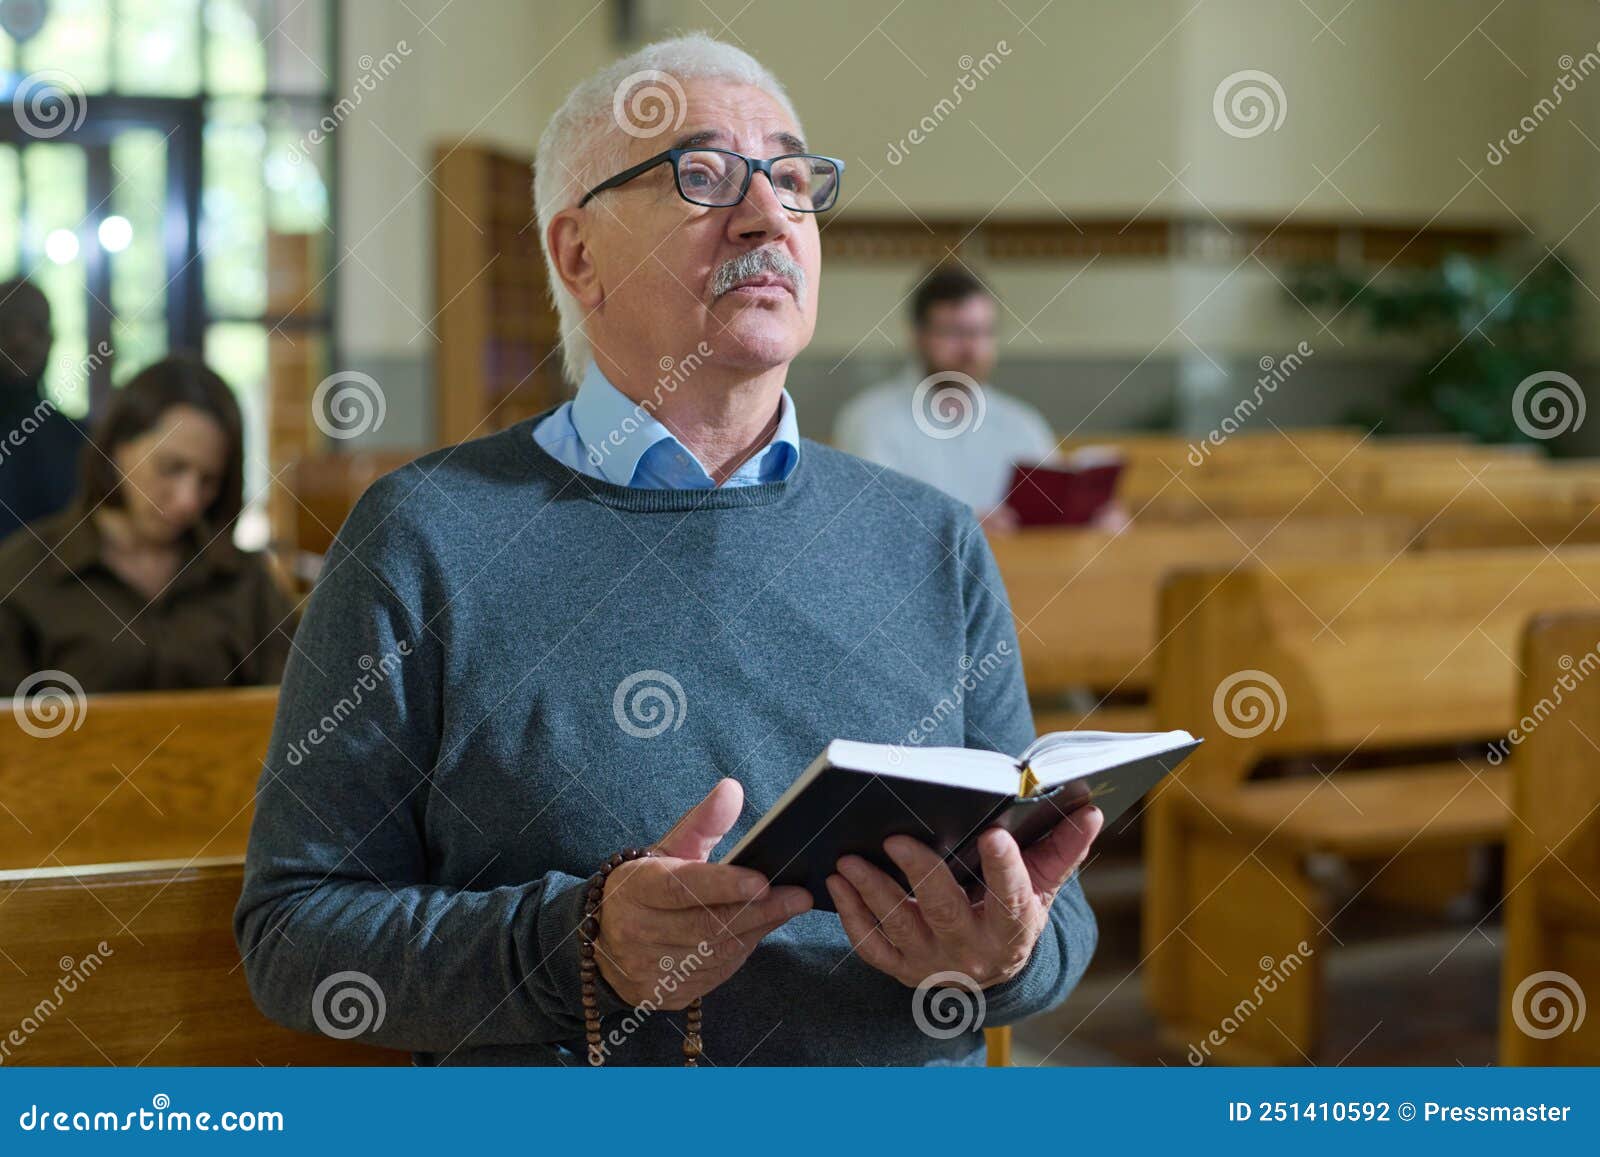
x: 1488, y: 531
x: 1401, y: 477
x: 1153, y: 459
x: 1515, y: 489
x: 1374, y: 483
x: 1447, y: 450
x: 324, y: 490
x: 1274, y: 491
x: 1367, y: 657
x: 1324, y: 445
x: 1552, y: 907
x: 1085, y: 601
x: 152, y: 775
x: 129, y: 964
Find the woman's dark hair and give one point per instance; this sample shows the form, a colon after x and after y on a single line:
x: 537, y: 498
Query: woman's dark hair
x: 946, y: 283
x: 139, y: 406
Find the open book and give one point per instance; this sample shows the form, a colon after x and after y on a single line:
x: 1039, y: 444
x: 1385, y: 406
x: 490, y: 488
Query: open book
x: 1065, y: 491
x: 855, y: 795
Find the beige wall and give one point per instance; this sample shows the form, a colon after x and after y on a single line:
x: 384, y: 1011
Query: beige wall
x: 1098, y: 103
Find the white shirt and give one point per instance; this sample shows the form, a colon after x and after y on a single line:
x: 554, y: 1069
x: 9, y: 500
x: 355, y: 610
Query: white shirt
x: 965, y: 444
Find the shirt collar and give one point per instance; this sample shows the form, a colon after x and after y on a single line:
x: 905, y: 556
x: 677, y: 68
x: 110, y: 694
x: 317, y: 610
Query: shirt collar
x: 617, y: 432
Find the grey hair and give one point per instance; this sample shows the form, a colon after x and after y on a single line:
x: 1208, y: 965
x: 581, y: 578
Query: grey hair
x: 587, y: 140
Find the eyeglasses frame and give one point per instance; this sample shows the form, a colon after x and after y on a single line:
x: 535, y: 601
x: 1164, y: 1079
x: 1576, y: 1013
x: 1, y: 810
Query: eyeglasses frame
x: 753, y: 165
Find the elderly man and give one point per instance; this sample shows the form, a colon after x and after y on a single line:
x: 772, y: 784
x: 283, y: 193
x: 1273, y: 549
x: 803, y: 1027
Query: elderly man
x: 540, y: 648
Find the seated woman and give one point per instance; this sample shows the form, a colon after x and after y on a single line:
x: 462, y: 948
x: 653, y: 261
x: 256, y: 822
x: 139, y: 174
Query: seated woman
x: 136, y: 585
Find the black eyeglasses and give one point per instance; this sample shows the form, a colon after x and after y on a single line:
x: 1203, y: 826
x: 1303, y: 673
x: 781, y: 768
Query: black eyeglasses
x: 717, y: 178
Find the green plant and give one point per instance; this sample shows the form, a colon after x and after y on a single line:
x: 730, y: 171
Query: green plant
x: 1480, y: 325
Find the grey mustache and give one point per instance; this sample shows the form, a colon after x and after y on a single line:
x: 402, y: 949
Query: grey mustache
x: 755, y: 262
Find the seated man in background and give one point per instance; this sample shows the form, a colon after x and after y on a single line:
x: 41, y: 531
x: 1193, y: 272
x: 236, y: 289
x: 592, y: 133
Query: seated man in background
x: 38, y: 443
x: 137, y: 585
x: 939, y: 421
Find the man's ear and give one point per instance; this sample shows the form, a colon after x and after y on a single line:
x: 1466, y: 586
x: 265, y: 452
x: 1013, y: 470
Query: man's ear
x: 572, y: 258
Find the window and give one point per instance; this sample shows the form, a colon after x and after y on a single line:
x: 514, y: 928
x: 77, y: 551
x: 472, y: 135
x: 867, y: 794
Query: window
x: 179, y: 199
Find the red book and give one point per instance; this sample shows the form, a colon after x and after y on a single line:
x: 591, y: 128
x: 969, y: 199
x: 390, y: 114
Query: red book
x: 1066, y: 492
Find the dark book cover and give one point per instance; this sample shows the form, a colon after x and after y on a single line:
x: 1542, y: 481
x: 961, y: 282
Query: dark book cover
x: 844, y: 811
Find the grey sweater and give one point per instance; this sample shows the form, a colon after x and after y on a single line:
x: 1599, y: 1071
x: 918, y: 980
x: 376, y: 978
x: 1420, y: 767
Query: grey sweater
x: 467, y: 728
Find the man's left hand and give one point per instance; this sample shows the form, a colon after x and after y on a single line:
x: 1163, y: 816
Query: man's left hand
x: 938, y: 927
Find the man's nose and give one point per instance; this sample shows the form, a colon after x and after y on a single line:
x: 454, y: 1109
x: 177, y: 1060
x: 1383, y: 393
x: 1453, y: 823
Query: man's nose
x: 761, y: 213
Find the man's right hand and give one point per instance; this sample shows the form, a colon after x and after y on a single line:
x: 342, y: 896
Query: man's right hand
x: 656, y: 912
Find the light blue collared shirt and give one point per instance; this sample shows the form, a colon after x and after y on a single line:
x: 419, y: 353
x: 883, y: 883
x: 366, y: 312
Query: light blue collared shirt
x: 604, y: 434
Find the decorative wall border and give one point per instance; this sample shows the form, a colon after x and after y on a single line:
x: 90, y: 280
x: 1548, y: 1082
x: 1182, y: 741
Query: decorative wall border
x: 925, y: 240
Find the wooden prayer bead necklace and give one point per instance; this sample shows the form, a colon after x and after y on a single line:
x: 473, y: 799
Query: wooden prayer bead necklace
x: 589, y: 968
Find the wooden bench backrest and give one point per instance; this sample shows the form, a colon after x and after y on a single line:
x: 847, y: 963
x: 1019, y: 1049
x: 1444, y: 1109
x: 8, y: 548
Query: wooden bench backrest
x: 1489, y: 480
x: 1340, y: 655
x: 1323, y: 445
x: 1555, y: 759
x: 1086, y: 602
x: 1509, y: 488
x: 1271, y: 490
x: 132, y: 964
x: 153, y: 775
x: 325, y: 489
x: 1489, y: 531
x: 1153, y: 459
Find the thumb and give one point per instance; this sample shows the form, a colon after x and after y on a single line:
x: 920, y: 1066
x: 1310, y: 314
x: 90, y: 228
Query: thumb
x: 1052, y: 860
x: 704, y: 825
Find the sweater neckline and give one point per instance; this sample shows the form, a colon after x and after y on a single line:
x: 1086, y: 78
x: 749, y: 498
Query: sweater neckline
x: 651, y: 500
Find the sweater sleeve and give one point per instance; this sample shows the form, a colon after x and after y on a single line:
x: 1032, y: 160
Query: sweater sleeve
x: 336, y: 908
x: 998, y: 718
